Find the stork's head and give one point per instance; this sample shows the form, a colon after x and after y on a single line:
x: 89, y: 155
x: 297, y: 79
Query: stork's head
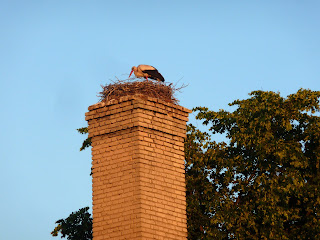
x: 132, y: 70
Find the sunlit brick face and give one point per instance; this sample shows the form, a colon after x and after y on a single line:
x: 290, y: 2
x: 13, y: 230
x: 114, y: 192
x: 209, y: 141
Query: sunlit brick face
x: 138, y: 180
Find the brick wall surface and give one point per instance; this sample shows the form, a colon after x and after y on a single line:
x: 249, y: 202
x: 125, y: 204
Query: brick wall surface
x: 138, y: 180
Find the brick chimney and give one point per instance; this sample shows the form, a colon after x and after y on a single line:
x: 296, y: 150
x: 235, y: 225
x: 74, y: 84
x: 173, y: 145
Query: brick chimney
x: 138, y: 179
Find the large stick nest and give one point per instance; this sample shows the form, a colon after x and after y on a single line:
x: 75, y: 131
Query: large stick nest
x: 120, y: 88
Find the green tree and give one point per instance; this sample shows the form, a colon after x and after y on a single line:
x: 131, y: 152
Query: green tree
x: 78, y: 226
x: 263, y: 182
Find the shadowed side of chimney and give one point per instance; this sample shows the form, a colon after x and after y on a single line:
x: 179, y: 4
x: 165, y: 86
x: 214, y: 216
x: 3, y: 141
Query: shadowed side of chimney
x: 138, y: 172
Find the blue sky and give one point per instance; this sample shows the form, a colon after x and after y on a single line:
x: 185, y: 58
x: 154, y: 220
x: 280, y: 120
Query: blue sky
x: 55, y: 54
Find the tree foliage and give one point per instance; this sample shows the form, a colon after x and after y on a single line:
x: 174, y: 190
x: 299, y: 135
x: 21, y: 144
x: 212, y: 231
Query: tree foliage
x: 86, y: 143
x: 263, y: 182
x: 78, y: 226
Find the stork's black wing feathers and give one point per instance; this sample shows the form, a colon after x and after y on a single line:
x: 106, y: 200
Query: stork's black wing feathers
x: 154, y: 74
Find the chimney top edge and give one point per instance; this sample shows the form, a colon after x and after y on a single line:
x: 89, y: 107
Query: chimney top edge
x: 136, y: 97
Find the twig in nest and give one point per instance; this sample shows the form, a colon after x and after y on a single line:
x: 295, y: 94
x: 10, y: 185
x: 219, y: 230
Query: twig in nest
x: 120, y: 88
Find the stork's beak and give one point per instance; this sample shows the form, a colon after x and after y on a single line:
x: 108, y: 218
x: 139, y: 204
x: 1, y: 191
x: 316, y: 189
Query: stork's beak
x: 131, y: 73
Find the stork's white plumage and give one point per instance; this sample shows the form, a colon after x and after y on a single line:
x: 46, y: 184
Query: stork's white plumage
x: 147, y: 71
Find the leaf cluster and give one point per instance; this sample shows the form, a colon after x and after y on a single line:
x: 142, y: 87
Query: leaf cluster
x: 263, y: 182
x: 78, y: 226
x: 86, y: 143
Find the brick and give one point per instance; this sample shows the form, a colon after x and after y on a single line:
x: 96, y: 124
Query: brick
x: 138, y: 171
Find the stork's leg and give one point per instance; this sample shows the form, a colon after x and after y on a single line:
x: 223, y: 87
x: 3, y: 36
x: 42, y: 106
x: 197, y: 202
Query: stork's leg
x: 146, y: 78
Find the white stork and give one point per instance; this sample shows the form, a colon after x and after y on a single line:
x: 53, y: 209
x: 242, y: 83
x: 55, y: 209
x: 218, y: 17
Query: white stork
x: 147, y: 71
